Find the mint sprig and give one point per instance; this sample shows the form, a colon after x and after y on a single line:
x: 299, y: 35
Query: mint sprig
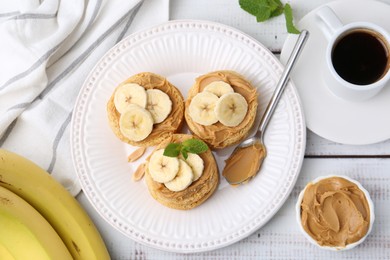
x: 289, y: 20
x: 266, y: 9
x: 192, y: 145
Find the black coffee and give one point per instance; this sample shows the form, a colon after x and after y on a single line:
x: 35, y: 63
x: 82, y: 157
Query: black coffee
x: 360, y: 57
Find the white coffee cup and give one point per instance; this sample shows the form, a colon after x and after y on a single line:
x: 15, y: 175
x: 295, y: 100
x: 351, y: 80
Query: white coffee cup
x: 350, y: 76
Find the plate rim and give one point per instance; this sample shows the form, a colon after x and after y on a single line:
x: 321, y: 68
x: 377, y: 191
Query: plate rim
x: 81, y: 102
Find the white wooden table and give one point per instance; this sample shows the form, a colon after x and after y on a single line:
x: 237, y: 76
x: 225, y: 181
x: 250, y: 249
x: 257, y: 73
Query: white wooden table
x: 369, y: 164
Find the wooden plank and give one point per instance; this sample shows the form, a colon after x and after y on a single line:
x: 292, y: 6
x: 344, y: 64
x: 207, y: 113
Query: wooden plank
x: 317, y: 146
x: 271, y: 33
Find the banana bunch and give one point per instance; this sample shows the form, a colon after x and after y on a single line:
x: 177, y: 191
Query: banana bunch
x: 175, y: 172
x: 40, y: 219
x: 21, y: 226
x: 140, y: 109
x: 218, y: 102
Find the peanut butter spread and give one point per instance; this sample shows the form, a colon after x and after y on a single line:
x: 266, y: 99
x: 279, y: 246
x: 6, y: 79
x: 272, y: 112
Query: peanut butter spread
x: 335, y: 212
x: 244, y: 163
x: 198, y: 190
x: 150, y: 81
x: 162, y: 130
x: 217, y: 134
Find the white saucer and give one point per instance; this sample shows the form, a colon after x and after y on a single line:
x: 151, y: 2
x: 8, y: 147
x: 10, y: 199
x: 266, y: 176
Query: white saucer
x: 327, y: 115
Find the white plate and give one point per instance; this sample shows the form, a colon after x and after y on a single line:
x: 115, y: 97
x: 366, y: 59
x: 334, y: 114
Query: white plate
x: 182, y: 50
x: 326, y: 114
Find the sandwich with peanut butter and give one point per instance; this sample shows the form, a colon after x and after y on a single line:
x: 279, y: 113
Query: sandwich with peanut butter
x: 145, y: 109
x: 221, y: 108
x: 181, y: 173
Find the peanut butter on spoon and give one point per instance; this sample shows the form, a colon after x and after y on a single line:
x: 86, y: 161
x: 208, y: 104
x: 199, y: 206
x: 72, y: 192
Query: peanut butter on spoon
x: 247, y: 158
x: 244, y: 163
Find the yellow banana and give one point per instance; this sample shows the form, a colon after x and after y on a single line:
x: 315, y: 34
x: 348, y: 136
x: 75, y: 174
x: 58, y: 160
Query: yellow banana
x: 5, y: 254
x: 55, y: 203
x: 24, y: 233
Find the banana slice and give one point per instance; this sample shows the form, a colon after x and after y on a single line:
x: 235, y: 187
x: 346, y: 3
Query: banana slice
x: 183, y: 178
x: 201, y: 108
x: 136, y: 123
x: 163, y: 168
x: 158, y: 104
x: 231, y: 109
x: 197, y: 165
x: 219, y: 88
x: 128, y: 94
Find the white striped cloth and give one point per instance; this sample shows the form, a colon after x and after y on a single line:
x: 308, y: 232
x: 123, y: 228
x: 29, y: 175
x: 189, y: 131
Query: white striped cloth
x: 47, y: 49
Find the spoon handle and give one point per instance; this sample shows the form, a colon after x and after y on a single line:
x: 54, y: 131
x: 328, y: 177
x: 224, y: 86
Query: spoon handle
x: 282, y: 83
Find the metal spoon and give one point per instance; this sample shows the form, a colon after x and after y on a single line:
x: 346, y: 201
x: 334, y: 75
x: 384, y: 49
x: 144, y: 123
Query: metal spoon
x: 257, y: 140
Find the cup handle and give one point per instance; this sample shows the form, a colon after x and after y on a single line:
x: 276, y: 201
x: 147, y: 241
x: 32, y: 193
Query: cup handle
x: 329, y: 23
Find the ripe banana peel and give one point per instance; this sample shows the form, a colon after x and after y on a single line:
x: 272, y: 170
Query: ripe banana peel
x: 24, y: 233
x: 54, y: 203
x: 5, y: 254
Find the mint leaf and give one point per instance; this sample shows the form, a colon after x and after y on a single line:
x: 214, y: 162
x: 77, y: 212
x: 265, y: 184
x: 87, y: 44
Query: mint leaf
x: 266, y: 9
x: 172, y: 150
x: 250, y: 6
x: 262, y: 9
x: 188, y: 146
x: 194, y: 146
x: 274, y: 4
x: 264, y: 13
x: 276, y: 7
x: 184, y: 153
x: 289, y: 20
x: 278, y: 11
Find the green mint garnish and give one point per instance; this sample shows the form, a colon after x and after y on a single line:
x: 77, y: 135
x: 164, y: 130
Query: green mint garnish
x: 184, y: 153
x: 266, y: 9
x: 289, y: 20
x: 195, y: 146
x: 172, y: 150
x: 188, y: 146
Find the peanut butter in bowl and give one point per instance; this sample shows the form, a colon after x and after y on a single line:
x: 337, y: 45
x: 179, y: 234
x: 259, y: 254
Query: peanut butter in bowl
x: 335, y: 212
